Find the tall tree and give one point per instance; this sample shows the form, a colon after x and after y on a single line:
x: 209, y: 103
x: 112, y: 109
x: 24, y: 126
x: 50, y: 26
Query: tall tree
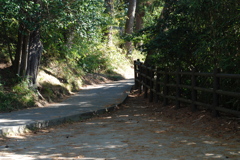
x: 139, y: 14
x: 29, y: 46
x: 110, y: 11
x: 130, y: 23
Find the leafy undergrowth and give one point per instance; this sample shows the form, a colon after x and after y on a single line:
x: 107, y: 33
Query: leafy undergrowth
x: 14, y: 92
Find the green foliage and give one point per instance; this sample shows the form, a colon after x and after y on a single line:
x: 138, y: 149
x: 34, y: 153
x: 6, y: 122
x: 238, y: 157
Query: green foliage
x: 70, y: 30
x: 20, y: 97
x: 27, y: 95
x: 7, y: 101
x: 93, y: 63
x: 152, y: 13
x: 137, y: 55
x: 198, y: 33
x: 78, y: 22
x: 62, y: 23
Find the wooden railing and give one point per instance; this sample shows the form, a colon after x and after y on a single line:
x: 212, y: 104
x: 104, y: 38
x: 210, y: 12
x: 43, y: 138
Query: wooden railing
x: 180, y: 86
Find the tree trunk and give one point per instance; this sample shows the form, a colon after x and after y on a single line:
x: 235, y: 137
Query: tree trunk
x: 109, y: 9
x: 18, y: 55
x: 130, y: 23
x: 35, y: 52
x: 24, y: 61
x: 139, y: 18
x: 139, y: 15
x: 27, y: 59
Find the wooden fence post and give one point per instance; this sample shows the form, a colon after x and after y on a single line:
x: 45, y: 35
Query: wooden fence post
x: 216, y: 83
x: 151, y: 84
x: 140, y: 78
x: 194, y: 92
x: 165, y: 88
x: 136, y: 74
x: 146, y: 82
x: 178, y: 91
x: 157, y: 85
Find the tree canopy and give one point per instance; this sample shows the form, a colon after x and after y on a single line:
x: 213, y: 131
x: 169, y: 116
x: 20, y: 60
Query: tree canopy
x: 202, y: 33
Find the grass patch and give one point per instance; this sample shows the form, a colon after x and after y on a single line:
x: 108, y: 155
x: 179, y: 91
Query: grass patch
x: 19, y: 96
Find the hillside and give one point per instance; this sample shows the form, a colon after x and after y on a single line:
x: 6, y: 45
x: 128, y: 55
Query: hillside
x: 54, y: 85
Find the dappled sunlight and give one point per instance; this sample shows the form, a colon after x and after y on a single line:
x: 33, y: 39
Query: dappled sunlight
x: 212, y: 155
x: 58, y: 105
x: 123, y: 115
x: 210, y: 142
x: 235, y: 153
x: 187, y: 142
x: 109, y: 85
x: 19, y: 121
x: 119, y: 136
x: 107, y: 117
x: 89, y: 100
x: 130, y: 132
x: 138, y: 115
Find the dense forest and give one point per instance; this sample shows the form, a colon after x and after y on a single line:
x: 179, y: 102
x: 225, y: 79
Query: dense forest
x: 200, y: 33
x: 71, y: 38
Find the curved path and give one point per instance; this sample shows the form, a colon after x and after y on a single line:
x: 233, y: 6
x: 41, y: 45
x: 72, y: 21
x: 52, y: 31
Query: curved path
x: 135, y: 131
x: 88, y: 102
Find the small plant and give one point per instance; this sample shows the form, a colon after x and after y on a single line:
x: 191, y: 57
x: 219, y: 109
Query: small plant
x: 46, y: 90
x: 8, y: 100
x: 21, y: 96
x: 1, y: 86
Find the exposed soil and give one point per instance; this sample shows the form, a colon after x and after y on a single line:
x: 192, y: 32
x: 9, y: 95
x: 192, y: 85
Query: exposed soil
x: 224, y: 126
x: 4, y: 65
x: 61, y: 93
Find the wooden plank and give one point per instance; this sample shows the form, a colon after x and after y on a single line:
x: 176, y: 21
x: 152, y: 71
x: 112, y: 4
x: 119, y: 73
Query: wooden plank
x: 222, y: 75
x: 227, y: 93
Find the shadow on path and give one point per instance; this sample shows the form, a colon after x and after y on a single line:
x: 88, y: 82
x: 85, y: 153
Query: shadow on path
x: 89, y: 101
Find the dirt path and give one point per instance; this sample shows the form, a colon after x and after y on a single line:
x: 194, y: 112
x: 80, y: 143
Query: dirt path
x: 137, y: 130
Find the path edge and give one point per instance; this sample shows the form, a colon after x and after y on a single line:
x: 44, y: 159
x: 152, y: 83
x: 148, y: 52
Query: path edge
x: 41, y: 124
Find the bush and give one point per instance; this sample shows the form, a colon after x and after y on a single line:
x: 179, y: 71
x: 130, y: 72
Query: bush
x: 20, y: 97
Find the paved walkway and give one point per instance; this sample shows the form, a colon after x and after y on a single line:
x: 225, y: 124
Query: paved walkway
x: 135, y: 131
x: 88, y: 102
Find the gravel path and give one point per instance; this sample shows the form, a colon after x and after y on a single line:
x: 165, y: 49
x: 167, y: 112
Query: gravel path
x: 133, y: 132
